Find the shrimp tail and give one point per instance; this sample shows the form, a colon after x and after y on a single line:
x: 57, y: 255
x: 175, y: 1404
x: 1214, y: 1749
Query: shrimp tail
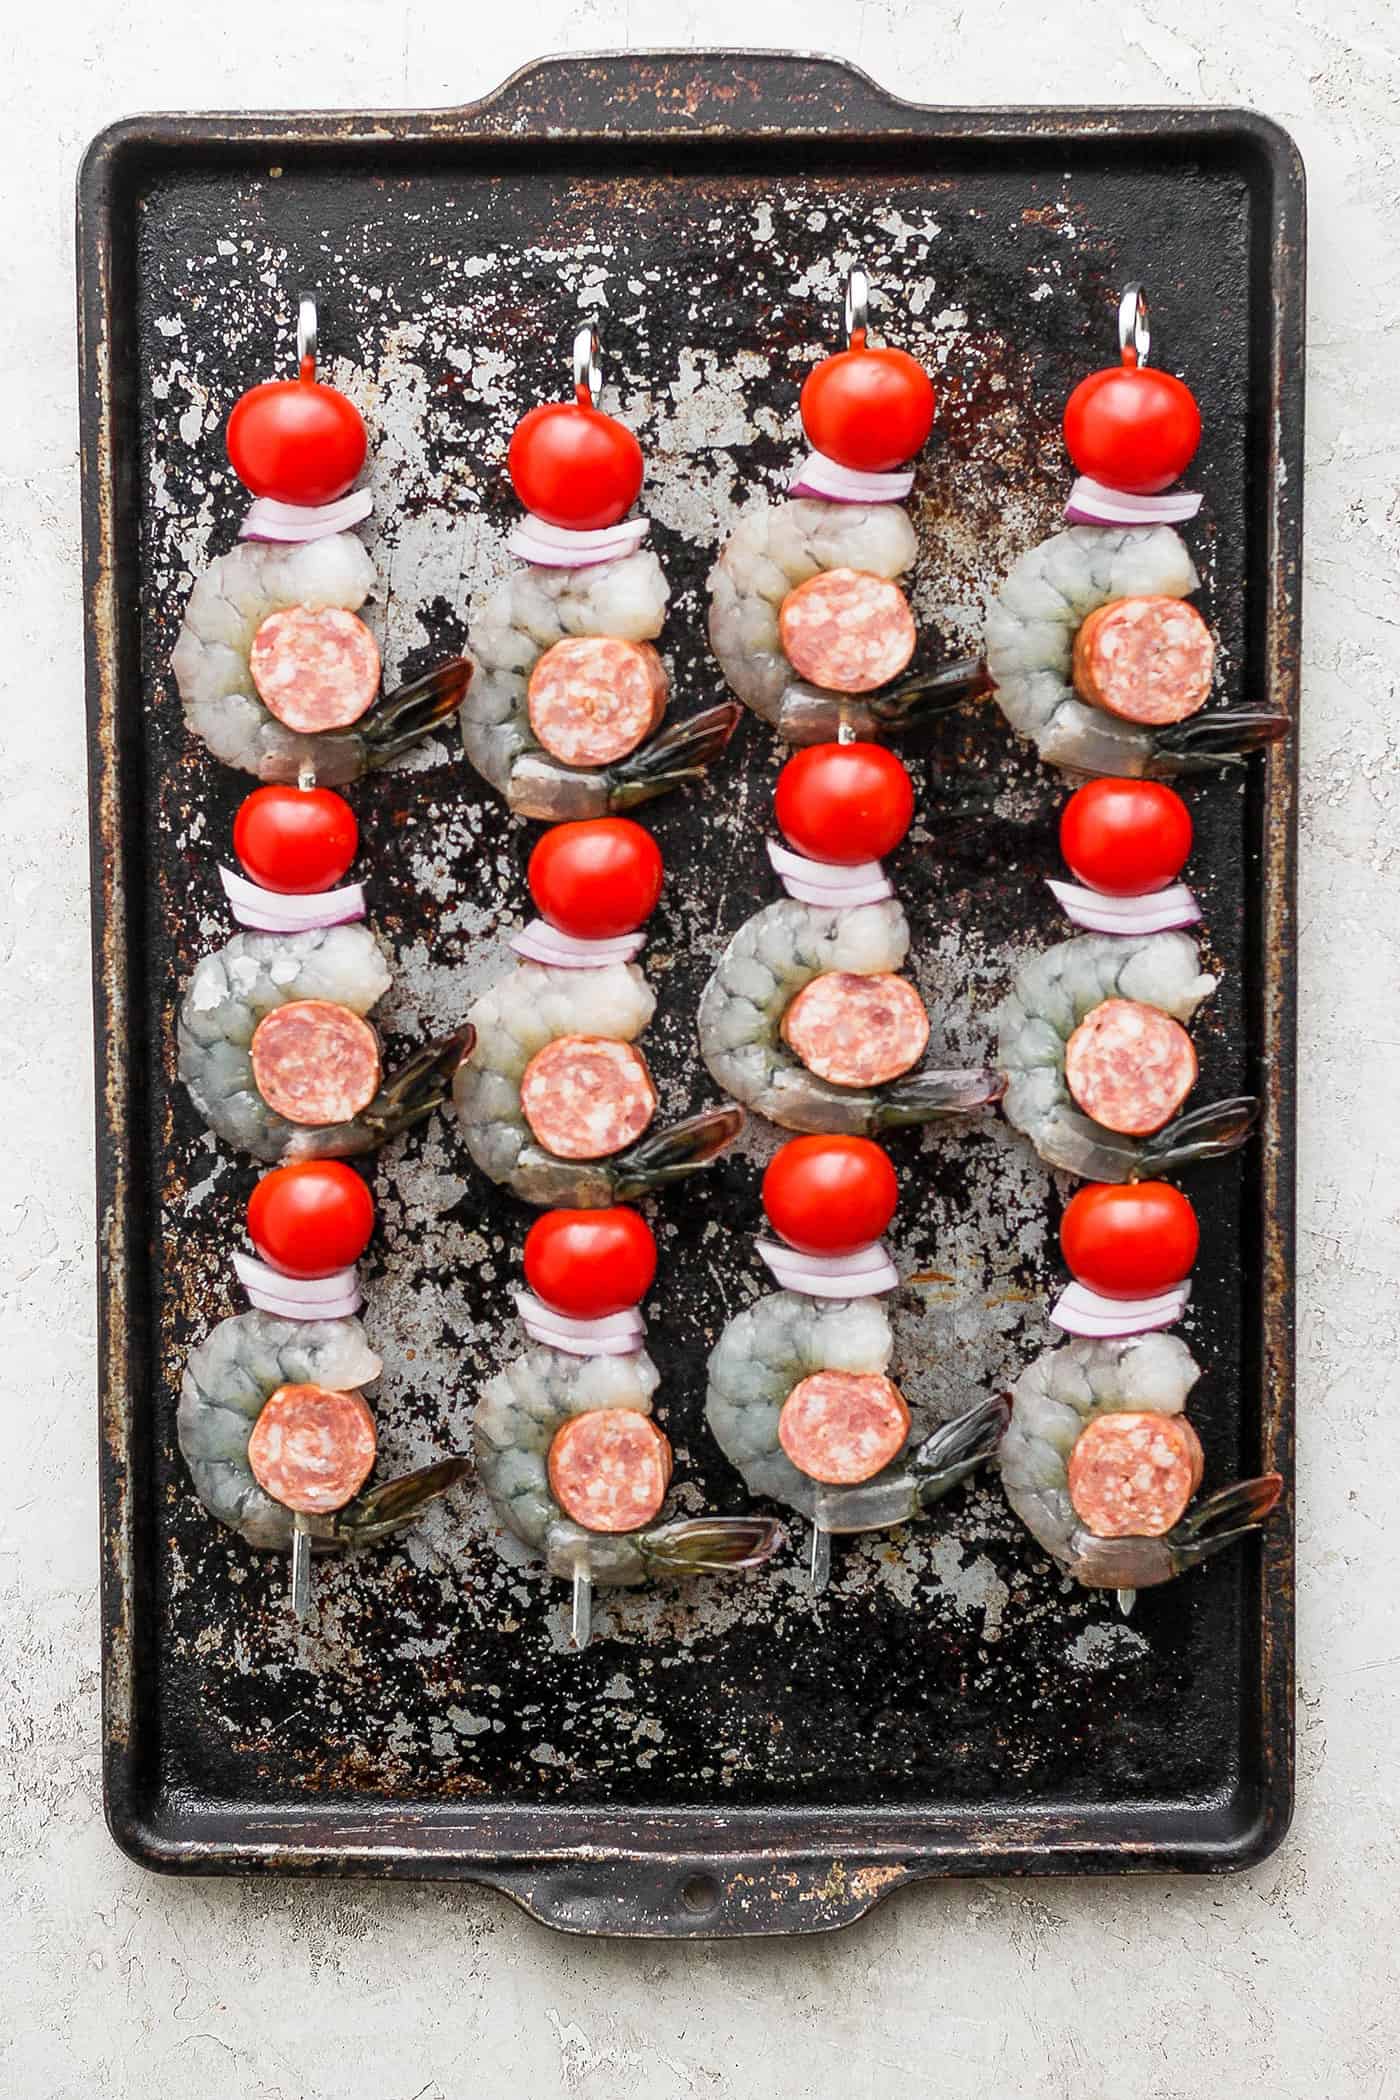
x: 1223, y: 737
x: 711, y: 1545
x: 679, y: 754
x: 404, y: 717
x: 391, y: 1506
x: 669, y: 1155
x: 958, y: 1447
x: 939, y: 692
x: 405, y: 1098
x: 1209, y: 1132
x: 1229, y: 1514
x: 925, y: 1095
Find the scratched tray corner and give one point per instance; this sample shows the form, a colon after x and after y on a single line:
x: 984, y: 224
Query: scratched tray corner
x: 725, y: 1759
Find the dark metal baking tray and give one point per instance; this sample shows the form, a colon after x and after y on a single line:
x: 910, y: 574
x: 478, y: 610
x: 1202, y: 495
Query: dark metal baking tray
x: 726, y: 1759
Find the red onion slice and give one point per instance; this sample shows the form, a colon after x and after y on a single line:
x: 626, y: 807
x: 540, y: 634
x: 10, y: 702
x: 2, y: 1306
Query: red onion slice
x: 863, y: 1273
x: 542, y: 943
x: 827, y: 882
x: 617, y: 1334
x: 1157, y: 911
x: 332, y: 1297
x: 1078, y: 1310
x: 833, y: 483
x: 270, y: 911
x: 295, y: 522
x: 555, y: 547
x: 1094, y: 503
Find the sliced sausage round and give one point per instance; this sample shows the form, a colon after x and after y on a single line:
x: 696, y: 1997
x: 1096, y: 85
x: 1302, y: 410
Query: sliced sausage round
x: 609, y: 1469
x: 1149, y: 660
x: 315, y: 670
x: 585, y: 1096
x: 854, y: 1030
x: 312, y: 1449
x: 846, y: 630
x: 1132, y: 1475
x: 315, y: 1062
x: 841, y: 1427
x: 1130, y: 1066
x: 593, y: 699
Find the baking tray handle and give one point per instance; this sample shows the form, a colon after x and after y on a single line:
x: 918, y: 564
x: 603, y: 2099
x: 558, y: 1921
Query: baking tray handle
x: 673, y: 1897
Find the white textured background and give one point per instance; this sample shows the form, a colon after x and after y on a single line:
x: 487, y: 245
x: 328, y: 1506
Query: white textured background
x: 1285, y: 1981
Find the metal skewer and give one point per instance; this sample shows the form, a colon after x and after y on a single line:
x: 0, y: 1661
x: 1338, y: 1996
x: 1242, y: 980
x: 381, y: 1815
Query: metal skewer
x: 581, y: 1620
x: 820, y: 1564
x: 301, y: 1567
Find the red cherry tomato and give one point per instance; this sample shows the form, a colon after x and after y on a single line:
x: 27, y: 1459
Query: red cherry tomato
x: 844, y: 802
x: 296, y: 441
x: 829, y: 1195
x: 1132, y: 427
x: 868, y: 409
x: 589, y: 1263
x: 597, y: 878
x: 1130, y: 1240
x: 1125, y: 837
x: 573, y: 466
x: 295, y: 840
x: 312, y: 1218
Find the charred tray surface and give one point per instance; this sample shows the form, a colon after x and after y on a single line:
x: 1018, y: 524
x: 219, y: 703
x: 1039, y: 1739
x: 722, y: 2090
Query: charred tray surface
x: 731, y: 1757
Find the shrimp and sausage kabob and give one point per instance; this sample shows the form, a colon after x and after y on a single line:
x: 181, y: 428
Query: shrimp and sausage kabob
x: 566, y: 1446
x: 806, y: 1019
x: 1095, y: 652
x: 800, y: 1399
x: 564, y: 717
x: 555, y: 1100
x: 1093, y: 1036
x: 276, y: 671
x: 807, y: 618
x: 273, y: 1422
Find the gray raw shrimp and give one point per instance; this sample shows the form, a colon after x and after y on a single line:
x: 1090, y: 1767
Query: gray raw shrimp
x: 233, y: 989
x: 1052, y: 994
x: 229, y: 603
x: 519, y: 1414
x: 228, y: 1380
x: 523, y: 1011
x: 1053, y: 1401
x: 526, y: 614
x: 766, y: 964
x: 1031, y: 625
x: 779, y: 1340
x: 772, y: 549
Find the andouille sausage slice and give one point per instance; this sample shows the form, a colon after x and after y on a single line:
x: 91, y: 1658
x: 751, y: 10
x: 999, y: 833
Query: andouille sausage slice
x: 592, y: 699
x: 846, y: 630
x: 1148, y: 660
x: 315, y: 1062
x: 609, y: 1469
x: 1132, y: 1475
x: 841, y: 1427
x: 854, y: 1030
x: 1130, y: 1066
x: 312, y: 1448
x: 585, y: 1096
x: 315, y: 670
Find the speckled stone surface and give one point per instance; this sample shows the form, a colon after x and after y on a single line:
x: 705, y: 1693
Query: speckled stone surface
x: 1283, y: 1979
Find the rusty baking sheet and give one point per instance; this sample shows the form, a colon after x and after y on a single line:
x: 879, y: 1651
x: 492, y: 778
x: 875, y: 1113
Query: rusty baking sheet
x: 726, y: 1758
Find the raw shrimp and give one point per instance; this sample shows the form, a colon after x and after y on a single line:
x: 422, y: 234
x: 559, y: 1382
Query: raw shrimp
x: 1031, y: 626
x: 526, y: 614
x: 228, y: 1380
x: 1053, y: 1400
x: 1052, y: 994
x: 232, y: 990
x: 785, y: 1337
x: 772, y: 549
x: 534, y: 1005
x: 521, y: 1411
x: 766, y: 964
x: 212, y: 670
